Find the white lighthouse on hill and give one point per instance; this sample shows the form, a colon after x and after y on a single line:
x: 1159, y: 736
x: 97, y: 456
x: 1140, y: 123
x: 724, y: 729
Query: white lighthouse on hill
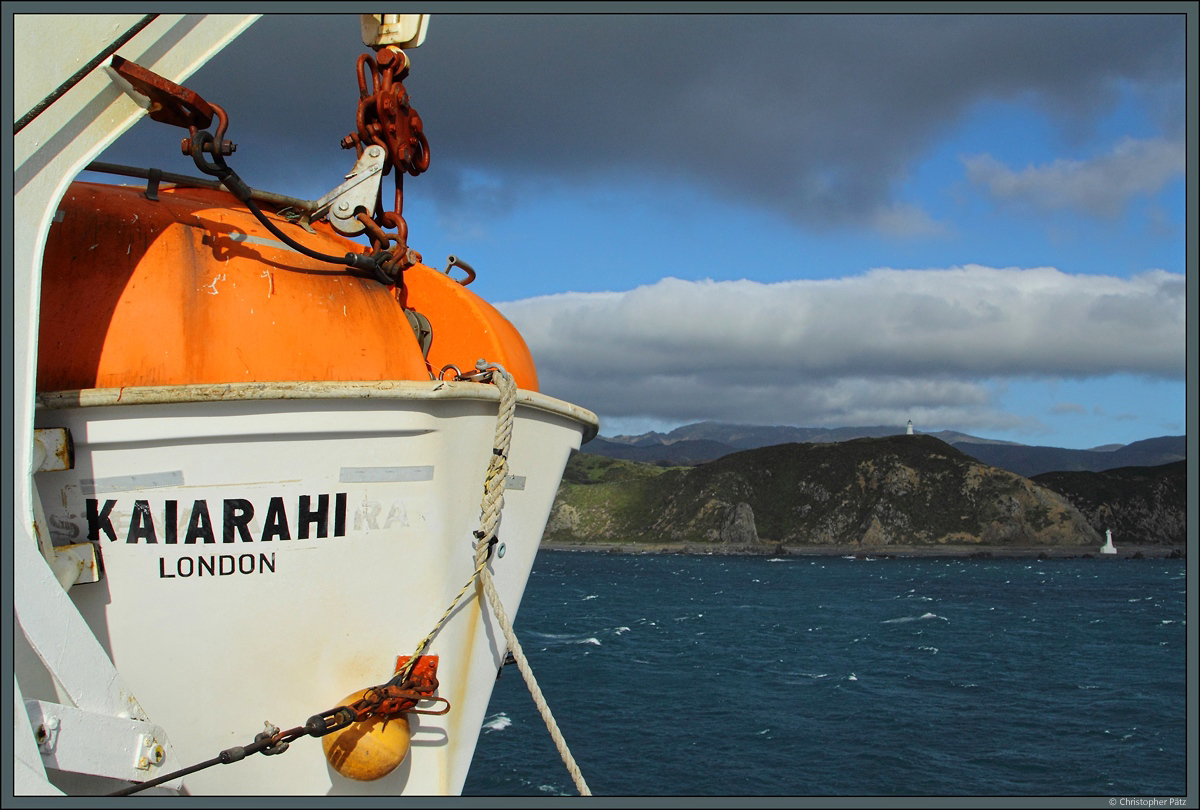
x: 909, y: 431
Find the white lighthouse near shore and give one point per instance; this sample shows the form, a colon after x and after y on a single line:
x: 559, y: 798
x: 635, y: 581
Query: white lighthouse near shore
x: 1108, y: 547
x: 909, y: 432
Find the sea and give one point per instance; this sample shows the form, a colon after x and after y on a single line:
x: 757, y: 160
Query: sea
x: 686, y: 675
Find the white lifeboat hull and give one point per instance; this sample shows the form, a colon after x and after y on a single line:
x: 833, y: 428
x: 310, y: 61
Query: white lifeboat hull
x: 269, y: 549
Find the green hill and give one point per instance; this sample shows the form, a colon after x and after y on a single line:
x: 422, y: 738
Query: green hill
x: 873, y: 492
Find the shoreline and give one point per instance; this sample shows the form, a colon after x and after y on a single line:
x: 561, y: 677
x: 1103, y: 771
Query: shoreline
x: 879, y: 552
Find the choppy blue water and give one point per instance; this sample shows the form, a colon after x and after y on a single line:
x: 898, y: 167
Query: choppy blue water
x: 691, y: 676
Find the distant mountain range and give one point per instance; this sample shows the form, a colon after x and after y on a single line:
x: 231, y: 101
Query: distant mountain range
x: 707, y: 441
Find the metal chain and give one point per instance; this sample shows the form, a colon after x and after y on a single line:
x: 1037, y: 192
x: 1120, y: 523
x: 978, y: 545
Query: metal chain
x: 384, y: 700
x: 385, y: 118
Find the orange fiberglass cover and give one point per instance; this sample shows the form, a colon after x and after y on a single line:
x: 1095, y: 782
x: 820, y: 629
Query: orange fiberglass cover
x: 190, y: 288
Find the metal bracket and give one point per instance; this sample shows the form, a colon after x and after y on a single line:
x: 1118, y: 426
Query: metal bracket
x: 166, y: 101
x: 77, y: 741
x: 361, y: 190
x: 400, y: 30
x: 75, y: 564
x: 53, y: 449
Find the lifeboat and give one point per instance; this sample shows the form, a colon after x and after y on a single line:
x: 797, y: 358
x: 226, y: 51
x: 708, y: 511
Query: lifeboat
x: 190, y: 288
x: 260, y: 486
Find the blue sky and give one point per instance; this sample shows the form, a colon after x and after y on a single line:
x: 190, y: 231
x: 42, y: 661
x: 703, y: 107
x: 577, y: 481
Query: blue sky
x: 973, y: 222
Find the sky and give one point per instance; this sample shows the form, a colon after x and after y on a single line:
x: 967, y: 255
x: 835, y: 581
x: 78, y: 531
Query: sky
x: 974, y: 222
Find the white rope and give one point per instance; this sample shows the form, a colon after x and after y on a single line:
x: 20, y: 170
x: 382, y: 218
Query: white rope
x: 490, y: 509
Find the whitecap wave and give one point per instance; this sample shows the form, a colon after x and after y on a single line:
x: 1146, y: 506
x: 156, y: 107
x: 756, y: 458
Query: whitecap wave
x: 921, y: 618
x: 497, y: 722
x: 563, y: 638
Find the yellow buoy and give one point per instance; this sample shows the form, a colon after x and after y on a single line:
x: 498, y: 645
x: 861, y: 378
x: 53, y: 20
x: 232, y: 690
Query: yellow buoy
x: 369, y: 749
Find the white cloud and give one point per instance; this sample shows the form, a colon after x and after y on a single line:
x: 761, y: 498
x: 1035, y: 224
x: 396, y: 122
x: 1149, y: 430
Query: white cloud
x: 1101, y: 186
x: 861, y: 350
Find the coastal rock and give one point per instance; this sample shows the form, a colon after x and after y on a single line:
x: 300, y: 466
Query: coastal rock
x: 563, y: 518
x: 739, y: 525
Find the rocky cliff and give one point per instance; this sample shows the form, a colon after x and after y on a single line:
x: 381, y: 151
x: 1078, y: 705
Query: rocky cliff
x: 1142, y: 505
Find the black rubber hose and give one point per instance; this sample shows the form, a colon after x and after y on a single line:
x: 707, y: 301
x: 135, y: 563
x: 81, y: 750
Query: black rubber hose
x: 229, y: 178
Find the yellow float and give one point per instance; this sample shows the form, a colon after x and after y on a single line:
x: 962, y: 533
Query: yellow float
x: 369, y: 749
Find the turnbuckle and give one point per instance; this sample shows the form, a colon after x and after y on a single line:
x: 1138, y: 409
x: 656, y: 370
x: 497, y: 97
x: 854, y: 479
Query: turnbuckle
x: 330, y: 721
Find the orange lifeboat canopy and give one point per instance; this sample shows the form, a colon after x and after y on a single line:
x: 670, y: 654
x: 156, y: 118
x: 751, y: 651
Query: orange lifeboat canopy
x: 191, y: 288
